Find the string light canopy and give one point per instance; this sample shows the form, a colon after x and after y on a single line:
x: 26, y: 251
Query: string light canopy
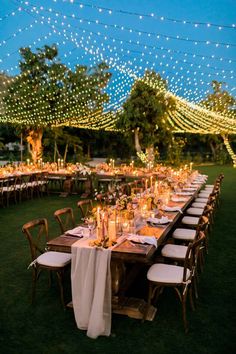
x: 188, y: 53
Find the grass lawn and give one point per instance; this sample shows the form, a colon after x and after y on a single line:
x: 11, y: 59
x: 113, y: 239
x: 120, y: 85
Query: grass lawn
x: 46, y: 329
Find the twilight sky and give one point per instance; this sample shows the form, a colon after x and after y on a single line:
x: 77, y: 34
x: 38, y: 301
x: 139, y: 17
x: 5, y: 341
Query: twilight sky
x: 189, y: 42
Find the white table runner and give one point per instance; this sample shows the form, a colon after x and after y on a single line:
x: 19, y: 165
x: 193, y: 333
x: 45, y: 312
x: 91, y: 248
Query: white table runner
x: 91, y: 288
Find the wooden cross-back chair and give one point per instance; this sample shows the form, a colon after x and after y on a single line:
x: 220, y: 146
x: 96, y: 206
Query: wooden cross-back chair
x: 65, y: 219
x: 161, y: 275
x: 36, y: 232
x: 85, y: 206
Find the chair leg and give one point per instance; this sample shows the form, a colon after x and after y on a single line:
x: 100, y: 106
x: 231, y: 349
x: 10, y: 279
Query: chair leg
x: 150, y: 291
x: 191, y: 298
x: 60, y: 282
x: 194, y: 282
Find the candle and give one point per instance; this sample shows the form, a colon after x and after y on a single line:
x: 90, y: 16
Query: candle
x: 98, y: 217
x: 191, y: 166
x: 155, y: 187
x: 112, y: 230
x: 151, y: 181
x: 28, y: 162
x: 146, y: 184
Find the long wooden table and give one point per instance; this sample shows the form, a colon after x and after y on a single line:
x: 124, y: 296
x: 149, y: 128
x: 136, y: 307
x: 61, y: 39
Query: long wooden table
x: 136, y: 256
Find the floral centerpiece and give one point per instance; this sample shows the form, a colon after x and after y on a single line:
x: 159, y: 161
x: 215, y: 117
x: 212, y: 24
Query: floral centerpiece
x: 84, y: 170
x: 124, y: 205
x: 152, y: 200
x: 102, y: 167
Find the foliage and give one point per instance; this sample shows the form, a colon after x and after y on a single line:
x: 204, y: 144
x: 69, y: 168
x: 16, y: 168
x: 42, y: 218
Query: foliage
x: 175, y: 150
x: 63, y: 137
x: 222, y: 102
x: 47, y: 93
x: 144, y: 112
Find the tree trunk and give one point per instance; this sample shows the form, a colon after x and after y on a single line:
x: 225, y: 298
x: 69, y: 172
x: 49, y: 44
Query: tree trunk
x: 34, y: 140
x: 150, y: 153
x: 88, y: 151
x: 55, y: 151
x: 213, y: 150
x: 136, y: 140
x: 65, y: 153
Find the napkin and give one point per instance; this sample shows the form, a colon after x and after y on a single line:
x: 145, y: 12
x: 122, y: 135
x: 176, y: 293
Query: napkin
x: 174, y: 208
x: 151, y: 240
x: 178, y: 199
x: 78, y: 231
x: 185, y: 193
x: 189, y: 189
x: 156, y: 221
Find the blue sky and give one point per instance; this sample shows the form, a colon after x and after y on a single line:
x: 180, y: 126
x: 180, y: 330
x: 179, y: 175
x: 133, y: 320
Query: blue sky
x: 190, y: 43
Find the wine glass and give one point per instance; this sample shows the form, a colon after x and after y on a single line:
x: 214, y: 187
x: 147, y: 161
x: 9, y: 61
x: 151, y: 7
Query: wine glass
x: 91, y: 225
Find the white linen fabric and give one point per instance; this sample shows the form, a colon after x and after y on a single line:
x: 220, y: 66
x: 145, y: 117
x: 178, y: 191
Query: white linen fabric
x: 78, y: 231
x: 156, y: 221
x: 151, y: 240
x: 91, y: 288
x: 174, y: 208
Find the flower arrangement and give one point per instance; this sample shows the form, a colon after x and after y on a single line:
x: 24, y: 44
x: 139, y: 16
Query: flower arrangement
x: 124, y: 203
x: 152, y: 200
x: 102, y: 167
x: 84, y: 170
x: 143, y: 157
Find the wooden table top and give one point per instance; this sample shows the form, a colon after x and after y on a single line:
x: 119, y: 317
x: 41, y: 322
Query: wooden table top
x: 128, y: 251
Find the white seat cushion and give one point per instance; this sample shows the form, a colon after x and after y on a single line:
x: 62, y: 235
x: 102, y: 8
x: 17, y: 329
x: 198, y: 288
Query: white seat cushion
x: 190, y: 220
x: 204, y: 194
x: 198, y: 205
x: 201, y: 200
x: 208, y: 189
x: 209, y: 186
x: 184, y: 234
x: 174, y: 251
x: 195, y: 211
x: 54, y: 259
x: 166, y: 273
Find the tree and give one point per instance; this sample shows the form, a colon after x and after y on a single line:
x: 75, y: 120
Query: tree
x: 47, y: 93
x: 144, y: 113
x: 222, y: 102
x: 59, y: 137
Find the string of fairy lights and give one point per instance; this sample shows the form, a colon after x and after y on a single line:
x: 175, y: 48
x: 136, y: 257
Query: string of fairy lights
x: 129, y: 51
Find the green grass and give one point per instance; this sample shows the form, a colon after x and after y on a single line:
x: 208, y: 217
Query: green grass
x: 46, y: 329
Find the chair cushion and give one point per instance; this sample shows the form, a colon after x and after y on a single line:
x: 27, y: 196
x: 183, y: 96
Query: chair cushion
x: 195, y: 211
x: 54, y: 259
x: 207, y: 189
x: 166, y: 273
x: 204, y: 194
x: 201, y: 200
x: 190, y: 220
x: 184, y: 234
x: 174, y: 251
x: 198, y: 205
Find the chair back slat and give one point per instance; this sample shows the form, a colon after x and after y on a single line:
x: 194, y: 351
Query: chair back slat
x: 65, y: 219
x: 36, y: 232
x: 85, y: 206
